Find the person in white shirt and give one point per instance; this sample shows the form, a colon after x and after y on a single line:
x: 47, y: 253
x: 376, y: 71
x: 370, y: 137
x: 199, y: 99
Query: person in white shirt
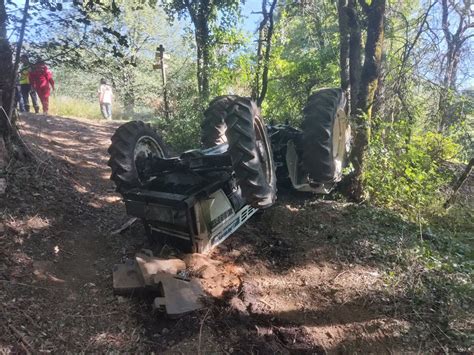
x: 105, y: 99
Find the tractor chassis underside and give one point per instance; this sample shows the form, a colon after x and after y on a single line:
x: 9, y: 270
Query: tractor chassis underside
x: 193, y: 203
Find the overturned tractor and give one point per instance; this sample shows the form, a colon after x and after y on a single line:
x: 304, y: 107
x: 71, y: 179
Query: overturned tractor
x: 196, y: 200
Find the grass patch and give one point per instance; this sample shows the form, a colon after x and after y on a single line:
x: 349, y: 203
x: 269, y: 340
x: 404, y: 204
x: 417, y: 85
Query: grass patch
x: 75, y: 107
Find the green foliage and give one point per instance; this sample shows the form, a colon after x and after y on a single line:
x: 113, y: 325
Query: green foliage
x: 304, y: 55
x: 182, y: 131
x: 462, y: 129
x: 406, y: 172
x: 73, y: 83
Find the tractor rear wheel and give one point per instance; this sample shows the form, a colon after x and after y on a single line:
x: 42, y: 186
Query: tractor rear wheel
x: 213, y: 127
x: 251, y: 153
x: 326, y: 135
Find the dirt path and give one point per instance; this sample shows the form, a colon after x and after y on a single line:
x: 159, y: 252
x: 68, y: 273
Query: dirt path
x: 311, y: 283
x: 58, y: 278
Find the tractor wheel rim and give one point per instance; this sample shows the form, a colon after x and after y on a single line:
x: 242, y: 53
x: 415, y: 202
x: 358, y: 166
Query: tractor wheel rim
x: 263, y: 150
x: 338, y: 141
x: 145, y: 147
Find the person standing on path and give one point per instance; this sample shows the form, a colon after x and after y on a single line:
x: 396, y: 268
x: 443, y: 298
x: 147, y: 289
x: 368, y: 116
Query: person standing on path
x: 18, y: 98
x: 105, y: 99
x: 25, y: 86
x: 41, y: 78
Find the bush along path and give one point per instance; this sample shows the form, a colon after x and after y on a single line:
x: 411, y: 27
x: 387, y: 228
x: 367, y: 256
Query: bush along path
x: 313, y: 276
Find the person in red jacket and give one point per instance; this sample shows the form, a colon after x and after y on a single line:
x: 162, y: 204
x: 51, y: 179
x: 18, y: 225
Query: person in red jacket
x: 41, y: 79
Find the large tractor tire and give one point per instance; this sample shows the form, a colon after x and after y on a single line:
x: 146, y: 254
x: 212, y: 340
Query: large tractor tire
x: 326, y: 136
x: 251, y: 153
x: 213, y: 127
x: 132, y: 144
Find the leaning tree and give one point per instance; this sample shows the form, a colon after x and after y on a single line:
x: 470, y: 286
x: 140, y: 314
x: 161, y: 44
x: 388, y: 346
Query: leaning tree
x: 16, y: 149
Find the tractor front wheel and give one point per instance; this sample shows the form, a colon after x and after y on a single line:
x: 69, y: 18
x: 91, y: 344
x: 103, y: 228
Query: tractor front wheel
x: 133, y: 145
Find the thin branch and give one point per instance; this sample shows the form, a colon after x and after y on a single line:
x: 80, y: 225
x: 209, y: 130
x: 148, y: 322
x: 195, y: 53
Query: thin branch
x: 266, y: 62
x: 418, y: 34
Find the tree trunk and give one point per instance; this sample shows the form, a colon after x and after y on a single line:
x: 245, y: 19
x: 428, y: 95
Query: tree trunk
x: 17, y: 55
x: 198, y: 63
x: 266, y: 59
x: 206, y: 66
x: 355, y: 47
x: 5, y: 79
x: 344, y: 35
x: 199, y: 11
x: 202, y: 36
x: 261, y: 39
x: 203, y: 58
x: 5, y: 61
x: 449, y: 86
x: 16, y: 148
x: 5, y: 74
x: 368, y: 85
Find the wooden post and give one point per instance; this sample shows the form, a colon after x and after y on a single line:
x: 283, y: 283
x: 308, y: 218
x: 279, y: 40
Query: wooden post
x: 160, y: 55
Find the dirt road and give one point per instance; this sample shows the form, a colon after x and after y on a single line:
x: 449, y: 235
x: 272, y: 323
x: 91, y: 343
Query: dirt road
x: 310, y: 282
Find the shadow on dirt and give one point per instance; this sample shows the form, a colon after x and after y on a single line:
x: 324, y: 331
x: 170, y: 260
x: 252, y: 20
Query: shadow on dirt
x: 56, y: 249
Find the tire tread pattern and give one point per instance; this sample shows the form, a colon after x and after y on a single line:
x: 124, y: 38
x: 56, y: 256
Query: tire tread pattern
x: 318, y: 121
x: 258, y: 189
x: 213, y: 126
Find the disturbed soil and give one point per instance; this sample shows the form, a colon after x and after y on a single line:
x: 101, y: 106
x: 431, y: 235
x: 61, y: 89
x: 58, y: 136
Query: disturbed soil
x: 308, y: 282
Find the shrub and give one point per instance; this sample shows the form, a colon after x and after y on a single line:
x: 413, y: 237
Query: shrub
x: 405, y: 170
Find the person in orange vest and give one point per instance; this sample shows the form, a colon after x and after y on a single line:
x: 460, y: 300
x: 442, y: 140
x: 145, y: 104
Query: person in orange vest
x: 25, y: 87
x: 41, y: 79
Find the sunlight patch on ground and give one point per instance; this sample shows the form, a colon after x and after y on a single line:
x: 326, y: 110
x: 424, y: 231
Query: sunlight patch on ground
x: 80, y: 188
x: 28, y: 224
x: 307, y: 290
x: 110, y: 198
x: 103, y: 201
x: 377, y: 332
x: 95, y: 204
x: 85, y: 163
x: 36, y: 223
x: 292, y: 208
x: 106, y: 175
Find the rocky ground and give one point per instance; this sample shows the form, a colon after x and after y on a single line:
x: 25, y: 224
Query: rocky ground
x: 308, y: 275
